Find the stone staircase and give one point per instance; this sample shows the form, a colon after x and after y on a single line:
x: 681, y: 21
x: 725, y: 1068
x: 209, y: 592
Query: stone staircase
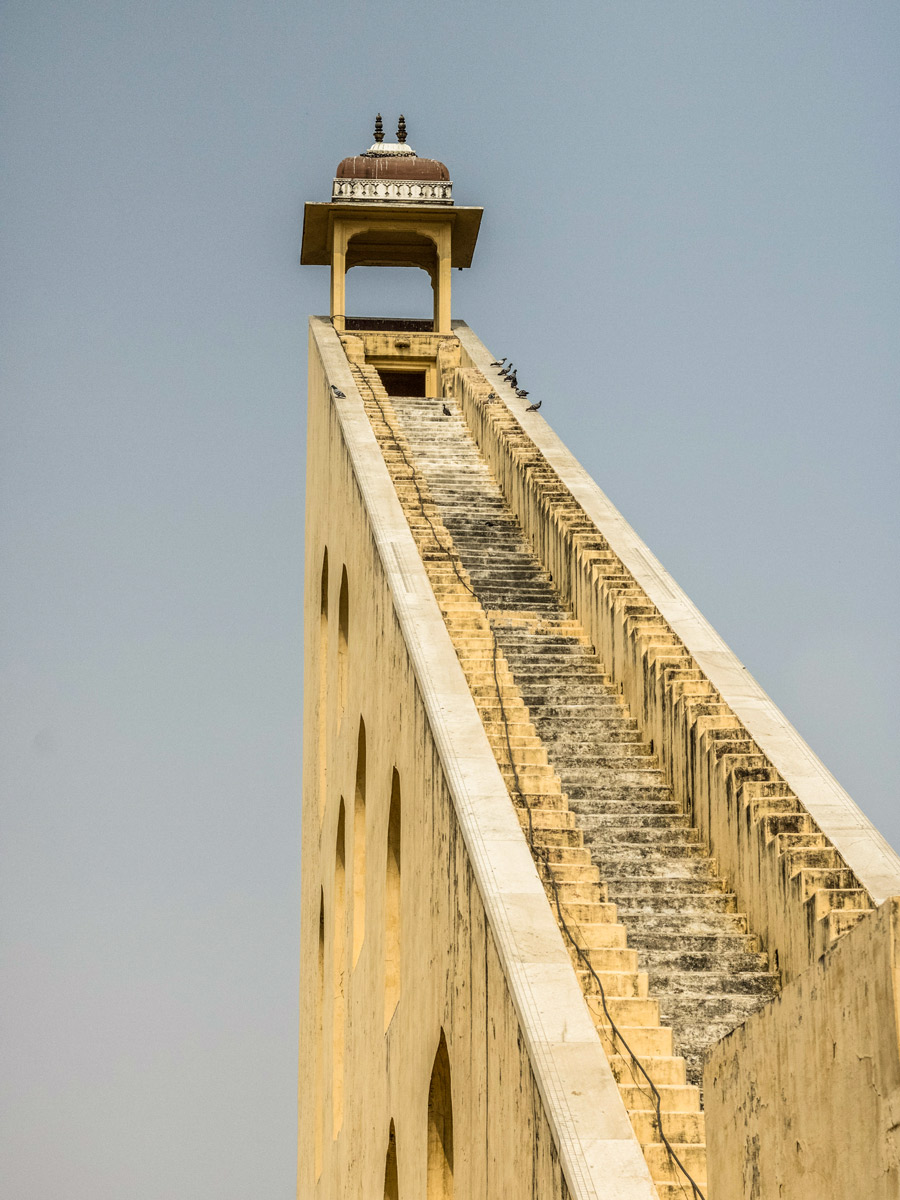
x: 666, y: 963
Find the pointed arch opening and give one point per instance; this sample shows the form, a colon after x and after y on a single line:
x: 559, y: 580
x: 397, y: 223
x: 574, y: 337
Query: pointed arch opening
x: 322, y: 748
x: 440, y: 1127
x: 391, y: 1182
x: 339, y: 976
x: 359, y: 844
x: 343, y: 642
x: 392, y: 910
x: 319, y: 1034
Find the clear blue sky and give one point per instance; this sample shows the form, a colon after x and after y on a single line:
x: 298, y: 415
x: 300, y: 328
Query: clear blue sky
x: 690, y: 249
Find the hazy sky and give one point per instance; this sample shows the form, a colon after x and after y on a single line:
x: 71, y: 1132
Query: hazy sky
x: 690, y: 249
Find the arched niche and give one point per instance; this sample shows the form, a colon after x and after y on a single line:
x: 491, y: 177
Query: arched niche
x: 439, y: 1185
x: 391, y: 1181
x: 359, y: 844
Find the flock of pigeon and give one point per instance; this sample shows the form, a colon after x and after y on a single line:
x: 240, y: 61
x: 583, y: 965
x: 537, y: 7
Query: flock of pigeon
x: 508, y: 373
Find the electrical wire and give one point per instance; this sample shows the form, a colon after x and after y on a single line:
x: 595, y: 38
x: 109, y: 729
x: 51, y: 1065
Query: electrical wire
x: 538, y: 852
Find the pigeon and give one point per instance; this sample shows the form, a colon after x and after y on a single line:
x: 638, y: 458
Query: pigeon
x: 447, y: 412
x: 338, y: 393
x: 492, y: 395
x: 521, y: 393
x: 498, y: 364
x: 534, y: 407
x: 506, y: 370
x: 512, y: 380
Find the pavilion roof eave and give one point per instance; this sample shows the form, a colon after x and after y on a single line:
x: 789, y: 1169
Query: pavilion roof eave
x: 318, y: 218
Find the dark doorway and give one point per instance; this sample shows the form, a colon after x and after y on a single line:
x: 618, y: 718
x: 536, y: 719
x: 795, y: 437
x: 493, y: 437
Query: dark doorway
x: 403, y: 383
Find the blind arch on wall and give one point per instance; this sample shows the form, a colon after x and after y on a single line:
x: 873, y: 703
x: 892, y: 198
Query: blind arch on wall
x: 392, y: 909
x: 339, y: 974
x: 322, y: 748
x: 319, y: 1034
x: 440, y: 1127
x: 343, y: 650
x: 391, y: 1182
x: 359, y: 844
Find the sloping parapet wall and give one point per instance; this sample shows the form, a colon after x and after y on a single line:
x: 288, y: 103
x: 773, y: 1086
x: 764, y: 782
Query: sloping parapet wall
x: 437, y: 994
x: 805, y: 862
x: 803, y: 1100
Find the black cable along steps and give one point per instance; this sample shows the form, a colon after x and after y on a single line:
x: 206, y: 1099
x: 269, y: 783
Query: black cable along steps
x: 678, y: 965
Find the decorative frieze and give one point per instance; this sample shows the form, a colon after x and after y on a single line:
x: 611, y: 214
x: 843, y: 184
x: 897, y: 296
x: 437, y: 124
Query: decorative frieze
x: 396, y: 191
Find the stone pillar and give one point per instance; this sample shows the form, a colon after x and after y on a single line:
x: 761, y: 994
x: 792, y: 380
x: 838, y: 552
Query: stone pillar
x: 442, y: 280
x: 339, y: 275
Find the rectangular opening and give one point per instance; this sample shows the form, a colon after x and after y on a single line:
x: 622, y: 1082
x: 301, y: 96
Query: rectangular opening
x: 403, y: 383
x: 390, y: 324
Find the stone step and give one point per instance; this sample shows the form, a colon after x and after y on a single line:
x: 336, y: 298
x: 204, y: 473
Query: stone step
x: 659, y: 961
x: 620, y: 775
x: 676, y: 1191
x: 674, y: 1098
x: 707, y: 984
x: 711, y: 943
x: 825, y: 900
x: 614, y: 983
x: 623, y: 823
x: 642, y: 1040
x: 644, y: 800
x: 556, y: 839
x: 835, y: 924
x: 626, y: 1011
x: 679, y: 1127
x: 605, y: 958
x: 666, y: 1070
x: 602, y: 732
x: 671, y: 835
x: 546, y: 805
x: 710, y: 922
x: 599, y: 934
x: 653, y: 871
x: 595, y: 912
x: 609, y: 761
x: 663, y: 1168
x: 658, y: 901
x: 565, y: 874
x: 568, y: 894
x: 574, y: 855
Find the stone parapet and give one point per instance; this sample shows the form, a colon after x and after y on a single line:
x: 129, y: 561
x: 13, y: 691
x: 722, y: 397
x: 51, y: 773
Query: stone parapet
x: 790, y: 839
x: 803, y: 1100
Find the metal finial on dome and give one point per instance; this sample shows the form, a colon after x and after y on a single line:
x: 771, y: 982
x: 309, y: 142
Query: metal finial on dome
x: 401, y: 129
x: 379, y: 129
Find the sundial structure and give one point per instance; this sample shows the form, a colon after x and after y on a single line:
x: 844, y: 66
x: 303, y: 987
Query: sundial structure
x: 582, y: 915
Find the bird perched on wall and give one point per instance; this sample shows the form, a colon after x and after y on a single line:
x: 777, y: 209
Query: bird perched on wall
x: 534, y: 407
x: 512, y: 380
x: 500, y: 363
x: 521, y: 393
x: 447, y: 412
x: 506, y: 370
x: 492, y: 395
x: 338, y: 393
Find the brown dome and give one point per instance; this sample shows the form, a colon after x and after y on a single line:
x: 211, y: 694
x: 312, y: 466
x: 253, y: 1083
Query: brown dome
x: 384, y: 166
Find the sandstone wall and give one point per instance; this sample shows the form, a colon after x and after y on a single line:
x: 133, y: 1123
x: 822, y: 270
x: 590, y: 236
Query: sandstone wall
x: 803, y: 1100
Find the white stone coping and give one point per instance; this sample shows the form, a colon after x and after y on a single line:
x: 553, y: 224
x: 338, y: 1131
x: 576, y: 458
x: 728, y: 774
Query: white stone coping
x: 865, y: 850
x: 599, y: 1153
